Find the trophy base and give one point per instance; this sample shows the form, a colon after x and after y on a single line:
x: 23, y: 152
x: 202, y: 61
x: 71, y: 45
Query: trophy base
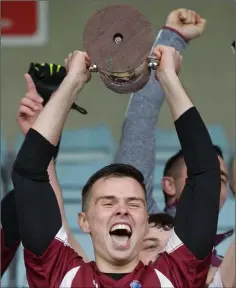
x: 118, y: 40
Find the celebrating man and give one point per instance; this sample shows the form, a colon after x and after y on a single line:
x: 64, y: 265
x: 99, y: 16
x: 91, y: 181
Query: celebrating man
x: 114, y: 205
x: 180, y: 27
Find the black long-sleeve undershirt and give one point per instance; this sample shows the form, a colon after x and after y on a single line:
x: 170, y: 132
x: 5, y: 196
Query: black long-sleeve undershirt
x: 39, y: 217
x: 198, y: 208
x: 196, y: 219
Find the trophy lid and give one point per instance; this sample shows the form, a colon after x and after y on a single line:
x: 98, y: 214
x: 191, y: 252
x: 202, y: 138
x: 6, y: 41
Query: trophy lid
x: 118, y: 38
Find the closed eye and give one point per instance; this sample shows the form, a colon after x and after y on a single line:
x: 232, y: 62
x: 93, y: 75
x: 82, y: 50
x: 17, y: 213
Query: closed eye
x: 151, y: 248
x: 107, y: 204
x: 134, y: 205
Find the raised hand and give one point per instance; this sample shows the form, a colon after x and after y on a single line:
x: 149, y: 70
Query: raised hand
x: 187, y: 22
x: 169, y: 59
x: 30, y: 106
x: 77, y: 64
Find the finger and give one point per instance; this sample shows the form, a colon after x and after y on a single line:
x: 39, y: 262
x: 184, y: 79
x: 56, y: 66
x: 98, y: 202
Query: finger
x: 191, y: 17
x: 26, y: 111
x: 197, y: 18
x: 76, y: 52
x: 66, y: 62
x: 86, y: 56
x: 30, y: 104
x: 30, y: 84
x: 87, y: 60
x: 187, y: 20
x: 34, y: 97
x: 202, y: 24
x: 156, y: 53
x: 183, y: 14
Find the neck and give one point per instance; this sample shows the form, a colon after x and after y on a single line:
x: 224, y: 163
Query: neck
x: 115, y: 267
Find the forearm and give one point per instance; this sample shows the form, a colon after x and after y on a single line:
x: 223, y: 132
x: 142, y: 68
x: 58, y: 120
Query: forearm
x: 138, y: 140
x: 57, y: 190
x: 177, y: 99
x: 198, y: 208
x: 51, y: 120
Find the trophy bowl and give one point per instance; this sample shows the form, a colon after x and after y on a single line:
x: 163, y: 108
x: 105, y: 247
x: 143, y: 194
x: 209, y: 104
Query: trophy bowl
x: 118, y: 40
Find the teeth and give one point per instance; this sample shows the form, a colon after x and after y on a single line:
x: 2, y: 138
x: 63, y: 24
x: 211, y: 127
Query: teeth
x: 121, y: 227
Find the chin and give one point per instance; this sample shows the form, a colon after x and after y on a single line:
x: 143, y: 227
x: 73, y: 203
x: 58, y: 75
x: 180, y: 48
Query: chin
x: 120, y: 258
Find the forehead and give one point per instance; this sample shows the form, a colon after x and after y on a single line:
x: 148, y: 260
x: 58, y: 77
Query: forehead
x: 119, y: 187
x: 156, y: 233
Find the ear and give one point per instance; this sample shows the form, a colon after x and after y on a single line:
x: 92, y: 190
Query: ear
x: 83, y: 222
x: 147, y: 226
x: 168, y: 186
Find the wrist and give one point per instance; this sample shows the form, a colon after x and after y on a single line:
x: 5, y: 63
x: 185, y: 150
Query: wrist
x: 74, y: 82
x: 167, y: 76
x: 173, y: 29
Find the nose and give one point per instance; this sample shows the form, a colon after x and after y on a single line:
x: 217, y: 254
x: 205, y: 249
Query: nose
x: 122, y: 209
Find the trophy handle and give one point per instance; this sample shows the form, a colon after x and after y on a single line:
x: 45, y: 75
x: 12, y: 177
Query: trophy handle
x: 93, y: 68
x: 152, y: 63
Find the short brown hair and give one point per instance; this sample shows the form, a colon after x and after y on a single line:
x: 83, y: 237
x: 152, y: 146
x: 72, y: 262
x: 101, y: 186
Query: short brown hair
x: 114, y: 170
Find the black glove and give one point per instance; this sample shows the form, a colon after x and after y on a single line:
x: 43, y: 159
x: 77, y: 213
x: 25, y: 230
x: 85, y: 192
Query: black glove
x: 47, y: 78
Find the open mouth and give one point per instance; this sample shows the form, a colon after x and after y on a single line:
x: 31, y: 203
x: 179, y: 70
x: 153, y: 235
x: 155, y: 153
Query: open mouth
x: 120, y: 234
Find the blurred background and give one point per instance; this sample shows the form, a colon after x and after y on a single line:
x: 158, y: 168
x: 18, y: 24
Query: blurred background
x: 47, y: 32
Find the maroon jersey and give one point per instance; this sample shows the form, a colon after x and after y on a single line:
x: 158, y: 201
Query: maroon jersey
x: 7, y: 254
x: 60, y: 266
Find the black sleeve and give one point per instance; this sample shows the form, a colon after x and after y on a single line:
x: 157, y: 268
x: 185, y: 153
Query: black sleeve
x: 198, y: 208
x: 38, y: 212
x: 57, y: 150
x: 9, y: 219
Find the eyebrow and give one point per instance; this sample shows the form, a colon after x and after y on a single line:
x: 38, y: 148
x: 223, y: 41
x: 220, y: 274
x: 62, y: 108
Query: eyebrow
x: 110, y: 197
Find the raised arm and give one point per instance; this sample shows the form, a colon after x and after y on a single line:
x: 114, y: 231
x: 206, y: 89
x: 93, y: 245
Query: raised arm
x: 57, y: 190
x: 37, y: 207
x: 30, y: 106
x: 138, y: 140
x: 199, y: 202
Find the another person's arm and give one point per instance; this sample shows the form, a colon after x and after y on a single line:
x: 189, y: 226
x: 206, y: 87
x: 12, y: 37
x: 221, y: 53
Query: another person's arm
x: 10, y: 238
x: 225, y: 274
x: 138, y: 140
x: 40, y: 225
x: 57, y: 190
x: 227, y: 268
